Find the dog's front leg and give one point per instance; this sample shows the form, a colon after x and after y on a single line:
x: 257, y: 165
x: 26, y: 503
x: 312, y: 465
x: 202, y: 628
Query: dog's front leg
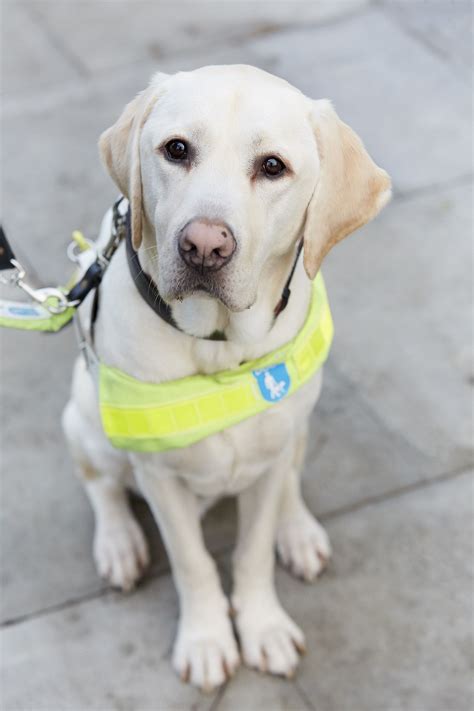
x: 270, y: 640
x: 205, y: 650
x: 302, y: 543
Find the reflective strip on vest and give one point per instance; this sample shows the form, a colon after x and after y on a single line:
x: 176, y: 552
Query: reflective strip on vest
x: 154, y: 417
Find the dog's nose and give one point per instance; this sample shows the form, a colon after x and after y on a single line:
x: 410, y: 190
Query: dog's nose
x: 206, y: 245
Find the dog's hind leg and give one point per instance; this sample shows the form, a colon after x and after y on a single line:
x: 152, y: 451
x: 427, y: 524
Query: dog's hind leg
x: 120, y: 548
x: 302, y: 543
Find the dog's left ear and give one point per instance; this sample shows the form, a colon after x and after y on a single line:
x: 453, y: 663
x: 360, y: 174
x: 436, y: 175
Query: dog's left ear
x: 119, y: 148
x: 350, y: 191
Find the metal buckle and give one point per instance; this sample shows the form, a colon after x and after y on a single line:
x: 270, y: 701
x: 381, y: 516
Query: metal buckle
x: 74, y: 251
x: 52, y: 299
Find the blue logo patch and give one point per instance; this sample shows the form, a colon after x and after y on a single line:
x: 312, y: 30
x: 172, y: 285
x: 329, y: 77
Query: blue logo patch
x: 274, y: 382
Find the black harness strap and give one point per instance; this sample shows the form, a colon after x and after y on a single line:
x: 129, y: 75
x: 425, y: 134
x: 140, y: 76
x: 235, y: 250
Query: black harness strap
x: 286, y: 293
x: 144, y: 283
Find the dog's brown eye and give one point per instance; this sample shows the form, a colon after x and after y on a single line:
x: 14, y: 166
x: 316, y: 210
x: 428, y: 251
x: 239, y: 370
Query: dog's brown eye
x: 273, y: 167
x: 177, y: 150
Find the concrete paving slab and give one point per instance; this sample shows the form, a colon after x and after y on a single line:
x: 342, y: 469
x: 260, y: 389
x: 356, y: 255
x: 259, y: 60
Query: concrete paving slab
x: 387, y: 627
x: 351, y: 454
x: 109, y: 654
x: 386, y: 85
x: 112, y: 35
x: 53, y: 182
x: 402, y: 311
x: 46, y: 523
x: 30, y: 61
x: 444, y: 27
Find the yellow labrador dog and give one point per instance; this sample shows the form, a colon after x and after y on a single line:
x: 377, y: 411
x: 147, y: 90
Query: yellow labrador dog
x: 223, y: 151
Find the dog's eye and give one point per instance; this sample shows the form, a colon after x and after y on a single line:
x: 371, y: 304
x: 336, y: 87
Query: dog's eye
x: 176, y: 150
x: 273, y: 167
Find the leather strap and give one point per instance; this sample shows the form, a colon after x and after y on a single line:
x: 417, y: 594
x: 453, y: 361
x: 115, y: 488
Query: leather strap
x: 144, y: 283
x: 6, y: 252
x: 286, y: 293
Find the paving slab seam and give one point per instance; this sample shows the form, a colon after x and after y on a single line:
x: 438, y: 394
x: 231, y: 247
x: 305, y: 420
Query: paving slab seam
x: 432, y: 49
x: 316, y: 25
x: 417, y: 36
x: 59, y: 607
x: 156, y: 572
x: 219, y: 696
x: 55, y: 40
x: 306, y: 703
x: 111, y: 76
x: 347, y: 16
x: 372, y: 413
x: 397, y: 493
x: 422, y: 190
x: 227, y: 547
x: 303, y: 695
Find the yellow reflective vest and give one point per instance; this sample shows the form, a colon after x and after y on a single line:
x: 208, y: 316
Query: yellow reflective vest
x: 154, y: 417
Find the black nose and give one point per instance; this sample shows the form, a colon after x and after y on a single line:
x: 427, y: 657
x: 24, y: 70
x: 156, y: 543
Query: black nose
x: 206, y: 245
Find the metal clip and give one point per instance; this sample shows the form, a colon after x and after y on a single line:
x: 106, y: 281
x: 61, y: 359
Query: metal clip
x: 74, y: 250
x: 53, y: 300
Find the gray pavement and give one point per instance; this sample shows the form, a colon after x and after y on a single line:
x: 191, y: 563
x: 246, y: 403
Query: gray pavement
x: 389, y: 469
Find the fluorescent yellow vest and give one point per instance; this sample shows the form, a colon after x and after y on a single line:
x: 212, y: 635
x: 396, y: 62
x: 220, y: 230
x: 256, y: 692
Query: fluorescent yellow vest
x: 154, y: 417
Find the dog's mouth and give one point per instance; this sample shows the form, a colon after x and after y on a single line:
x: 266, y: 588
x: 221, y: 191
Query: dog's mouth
x: 215, y: 285
x: 204, y: 288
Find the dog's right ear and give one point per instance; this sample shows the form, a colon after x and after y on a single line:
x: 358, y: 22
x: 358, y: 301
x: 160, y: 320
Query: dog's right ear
x: 119, y: 148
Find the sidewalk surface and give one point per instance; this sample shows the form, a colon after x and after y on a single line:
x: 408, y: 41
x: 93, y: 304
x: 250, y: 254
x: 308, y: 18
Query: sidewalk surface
x: 389, y: 471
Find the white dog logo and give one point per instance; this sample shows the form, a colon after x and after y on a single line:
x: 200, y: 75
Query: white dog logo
x: 274, y: 382
x: 274, y: 388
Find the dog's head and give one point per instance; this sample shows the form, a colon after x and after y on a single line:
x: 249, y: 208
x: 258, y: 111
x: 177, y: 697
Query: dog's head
x: 225, y: 168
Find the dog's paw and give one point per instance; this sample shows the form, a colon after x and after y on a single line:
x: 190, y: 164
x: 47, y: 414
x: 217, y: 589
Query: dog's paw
x: 205, y: 652
x: 121, y: 552
x: 269, y: 639
x: 303, y: 545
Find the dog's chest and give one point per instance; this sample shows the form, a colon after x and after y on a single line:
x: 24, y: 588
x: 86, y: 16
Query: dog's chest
x: 230, y: 461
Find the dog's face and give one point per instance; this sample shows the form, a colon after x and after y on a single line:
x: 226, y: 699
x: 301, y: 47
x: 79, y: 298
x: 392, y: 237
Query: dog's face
x: 227, y: 147
x: 229, y: 166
